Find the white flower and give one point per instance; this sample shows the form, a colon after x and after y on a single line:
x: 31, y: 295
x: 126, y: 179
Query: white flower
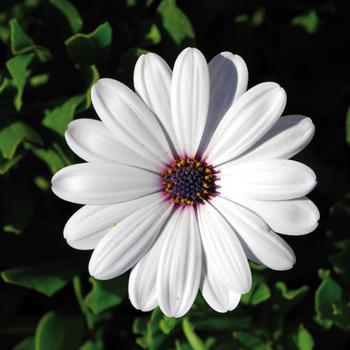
x: 186, y: 179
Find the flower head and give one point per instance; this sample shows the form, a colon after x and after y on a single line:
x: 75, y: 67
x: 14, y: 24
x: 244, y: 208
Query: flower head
x: 187, y: 179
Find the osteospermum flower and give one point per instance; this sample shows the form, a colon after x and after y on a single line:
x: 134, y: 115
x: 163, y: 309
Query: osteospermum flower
x: 186, y: 179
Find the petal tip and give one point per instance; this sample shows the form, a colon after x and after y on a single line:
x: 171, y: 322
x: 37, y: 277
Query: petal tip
x: 97, y: 275
x: 307, y: 124
x: 245, y: 287
x: 102, y: 83
x: 97, y: 271
x: 55, y: 182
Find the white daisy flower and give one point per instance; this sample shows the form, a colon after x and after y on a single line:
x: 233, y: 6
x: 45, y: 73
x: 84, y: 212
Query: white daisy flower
x: 186, y: 180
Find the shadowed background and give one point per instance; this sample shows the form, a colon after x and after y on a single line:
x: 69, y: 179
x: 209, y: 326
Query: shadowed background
x: 51, y: 52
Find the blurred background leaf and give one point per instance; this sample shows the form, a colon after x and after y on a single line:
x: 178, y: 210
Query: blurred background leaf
x: 91, y: 48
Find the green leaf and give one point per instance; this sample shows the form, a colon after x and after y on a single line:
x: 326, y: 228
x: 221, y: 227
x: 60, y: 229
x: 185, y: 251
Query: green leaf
x: 330, y: 306
x: 91, y: 75
x: 182, y: 345
x: 308, y: 21
x: 53, y: 157
x: 256, y: 266
x: 7, y: 164
x: 128, y: 60
x: 153, y: 35
x: 291, y: 294
x: 39, y: 80
x: 341, y: 260
x: 56, y: 332
x: 4, y: 30
x: 242, y: 18
x: 90, y: 318
x: 70, y: 13
x: 46, y: 278
x: 18, y: 200
x: 12, y: 134
x: 18, y: 68
x: 5, y: 84
x: 192, y: 337
x: 285, y: 299
x: 106, y: 294
x: 92, y: 345
x: 25, y: 344
x: 259, y: 293
x: 347, y: 126
x: 60, y: 116
x: 303, y: 339
x: 21, y: 43
x: 327, y: 295
x: 139, y: 325
x: 42, y: 183
x: 167, y: 324
x: 175, y: 22
x: 92, y: 48
x: 131, y: 3
x: 151, y: 335
x: 252, y: 340
x: 339, y: 215
x: 225, y: 322
x: 258, y: 17
x: 255, y: 20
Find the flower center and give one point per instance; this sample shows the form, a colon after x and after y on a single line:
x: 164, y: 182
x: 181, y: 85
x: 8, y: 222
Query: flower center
x: 189, y: 181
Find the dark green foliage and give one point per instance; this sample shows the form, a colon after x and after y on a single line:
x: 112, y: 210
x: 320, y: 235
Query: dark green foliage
x: 51, y: 52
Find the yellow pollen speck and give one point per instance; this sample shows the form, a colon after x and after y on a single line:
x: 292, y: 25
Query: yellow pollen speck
x: 207, y: 170
x: 114, y: 225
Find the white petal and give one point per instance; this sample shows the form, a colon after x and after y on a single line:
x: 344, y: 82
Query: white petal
x: 276, y: 179
x: 228, y: 81
x: 124, y: 245
x: 152, y: 81
x: 130, y: 120
x: 250, y: 118
x: 225, y: 256
x: 143, y: 277
x: 189, y: 100
x: 103, y: 183
x: 92, y: 141
x: 89, y: 224
x: 260, y: 241
x: 290, y: 135
x: 291, y: 217
x: 218, y: 297
x: 180, y: 264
